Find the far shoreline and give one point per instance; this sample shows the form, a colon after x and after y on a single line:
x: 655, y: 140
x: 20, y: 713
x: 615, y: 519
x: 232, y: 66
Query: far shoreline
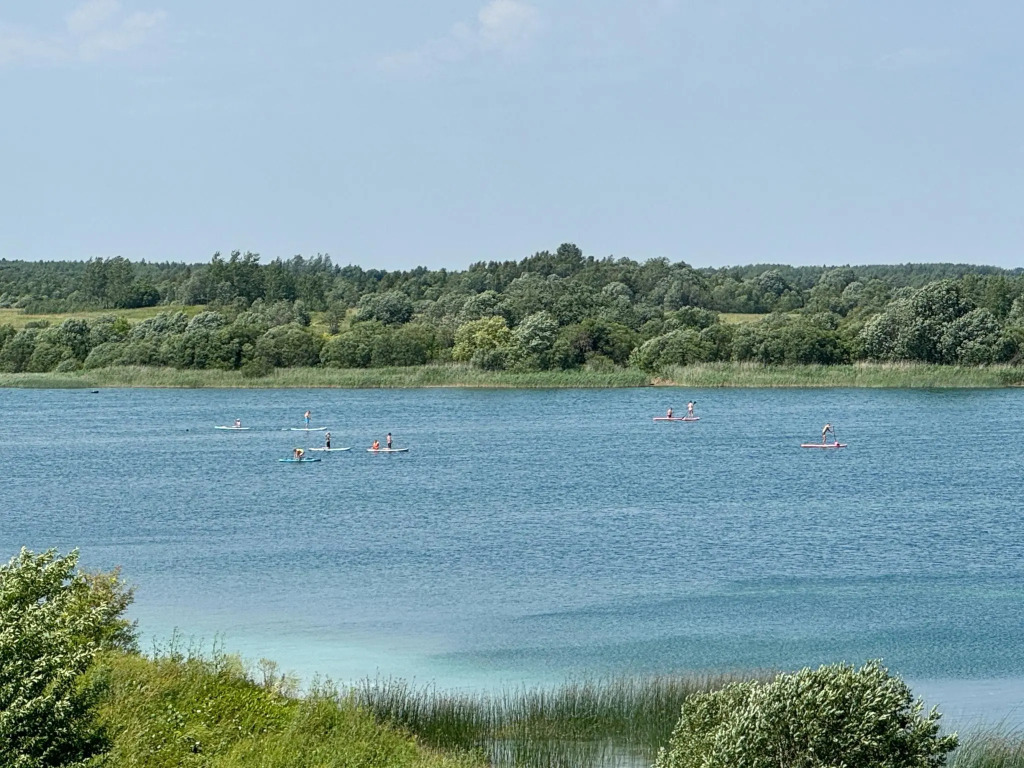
x: 699, y: 376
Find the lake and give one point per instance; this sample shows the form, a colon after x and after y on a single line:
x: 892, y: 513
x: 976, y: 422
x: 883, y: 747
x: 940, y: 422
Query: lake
x: 530, y: 536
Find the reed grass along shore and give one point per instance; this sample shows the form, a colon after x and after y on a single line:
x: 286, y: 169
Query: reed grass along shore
x: 703, y: 376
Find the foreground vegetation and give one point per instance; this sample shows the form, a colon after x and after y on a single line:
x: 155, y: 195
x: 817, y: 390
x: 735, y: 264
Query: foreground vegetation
x: 75, y: 691
x: 548, y: 313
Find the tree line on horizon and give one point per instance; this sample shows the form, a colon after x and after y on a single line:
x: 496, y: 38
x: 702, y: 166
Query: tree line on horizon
x: 559, y: 310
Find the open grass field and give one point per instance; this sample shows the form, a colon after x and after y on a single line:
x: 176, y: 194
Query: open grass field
x: 19, y: 320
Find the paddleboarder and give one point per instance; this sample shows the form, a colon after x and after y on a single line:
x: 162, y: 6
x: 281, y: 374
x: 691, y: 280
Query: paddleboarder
x: 689, y: 409
x: 389, y: 441
x: 238, y: 423
x: 307, y: 417
x: 297, y: 454
x: 327, y: 441
x: 375, y: 446
x: 824, y: 432
x: 669, y: 413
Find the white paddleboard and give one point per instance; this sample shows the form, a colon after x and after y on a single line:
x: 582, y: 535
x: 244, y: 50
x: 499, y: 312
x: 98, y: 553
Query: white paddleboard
x: 331, y: 449
x: 387, y: 450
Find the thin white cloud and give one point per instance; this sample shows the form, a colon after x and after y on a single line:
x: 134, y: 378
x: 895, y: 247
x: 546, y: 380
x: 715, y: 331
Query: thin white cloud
x: 93, y: 30
x: 90, y: 16
x: 502, y: 27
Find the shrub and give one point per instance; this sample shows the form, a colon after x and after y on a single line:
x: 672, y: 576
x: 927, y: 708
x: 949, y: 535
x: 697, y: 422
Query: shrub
x: 53, y: 621
x: 833, y: 716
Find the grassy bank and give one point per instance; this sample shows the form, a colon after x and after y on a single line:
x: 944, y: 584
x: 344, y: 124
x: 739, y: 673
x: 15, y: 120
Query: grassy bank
x: 211, y: 711
x: 706, y: 375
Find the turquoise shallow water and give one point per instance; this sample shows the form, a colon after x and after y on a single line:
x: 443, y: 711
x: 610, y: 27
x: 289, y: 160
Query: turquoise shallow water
x: 532, y: 535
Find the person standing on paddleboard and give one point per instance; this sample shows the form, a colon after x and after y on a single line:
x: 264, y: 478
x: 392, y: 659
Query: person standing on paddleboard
x: 327, y: 441
x: 824, y: 432
x: 307, y: 416
x: 689, y: 409
x: 389, y: 441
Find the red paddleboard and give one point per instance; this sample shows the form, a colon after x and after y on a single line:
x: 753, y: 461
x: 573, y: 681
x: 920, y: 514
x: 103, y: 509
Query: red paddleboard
x: 676, y: 418
x: 823, y: 445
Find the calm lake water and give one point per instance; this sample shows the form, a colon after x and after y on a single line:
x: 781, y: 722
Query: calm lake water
x: 529, y: 536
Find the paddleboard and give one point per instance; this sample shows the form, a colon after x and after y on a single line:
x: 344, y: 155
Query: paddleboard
x: 823, y: 445
x: 331, y: 449
x: 677, y: 418
x: 234, y: 429
x: 297, y: 461
x: 387, y: 450
x: 307, y: 429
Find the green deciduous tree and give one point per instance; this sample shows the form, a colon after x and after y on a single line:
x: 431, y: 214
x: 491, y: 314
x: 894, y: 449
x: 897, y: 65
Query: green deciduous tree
x: 485, y: 342
x: 390, y: 308
x: 834, y: 716
x: 289, y: 346
x: 53, y: 620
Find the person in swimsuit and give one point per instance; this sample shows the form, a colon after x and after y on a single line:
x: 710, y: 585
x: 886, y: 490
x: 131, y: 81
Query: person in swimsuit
x: 389, y: 441
x: 297, y: 454
x: 238, y: 423
x: 669, y: 414
x: 375, y: 446
x: 825, y: 430
x: 307, y: 416
x: 689, y: 409
x: 327, y: 441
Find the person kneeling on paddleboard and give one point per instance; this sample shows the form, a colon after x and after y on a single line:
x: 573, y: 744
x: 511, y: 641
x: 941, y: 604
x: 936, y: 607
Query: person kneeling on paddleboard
x: 825, y: 430
x: 375, y: 446
x: 669, y: 414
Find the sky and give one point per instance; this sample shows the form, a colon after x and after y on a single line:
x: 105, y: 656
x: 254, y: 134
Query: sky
x: 395, y: 133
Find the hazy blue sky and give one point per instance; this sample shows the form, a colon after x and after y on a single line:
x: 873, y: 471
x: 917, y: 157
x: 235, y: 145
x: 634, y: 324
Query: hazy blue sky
x: 397, y: 133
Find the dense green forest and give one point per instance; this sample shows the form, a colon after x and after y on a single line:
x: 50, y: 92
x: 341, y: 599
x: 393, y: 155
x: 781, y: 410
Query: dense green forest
x: 550, y: 311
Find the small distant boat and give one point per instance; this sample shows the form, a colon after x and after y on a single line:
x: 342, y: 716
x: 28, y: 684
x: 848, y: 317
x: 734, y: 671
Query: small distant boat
x: 387, y: 450
x: 331, y: 449
x: 823, y: 445
x: 298, y: 461
x: 677, y: 418
x: 233, y: 428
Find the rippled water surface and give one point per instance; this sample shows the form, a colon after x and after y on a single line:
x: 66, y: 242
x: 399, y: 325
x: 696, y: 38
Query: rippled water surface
x: 534, y: 535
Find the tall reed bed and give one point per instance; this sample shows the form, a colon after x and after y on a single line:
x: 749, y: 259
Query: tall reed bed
x: 998, y: 747
x: 351, y: 378
x: 618, y: 721
x: 878, y: 375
